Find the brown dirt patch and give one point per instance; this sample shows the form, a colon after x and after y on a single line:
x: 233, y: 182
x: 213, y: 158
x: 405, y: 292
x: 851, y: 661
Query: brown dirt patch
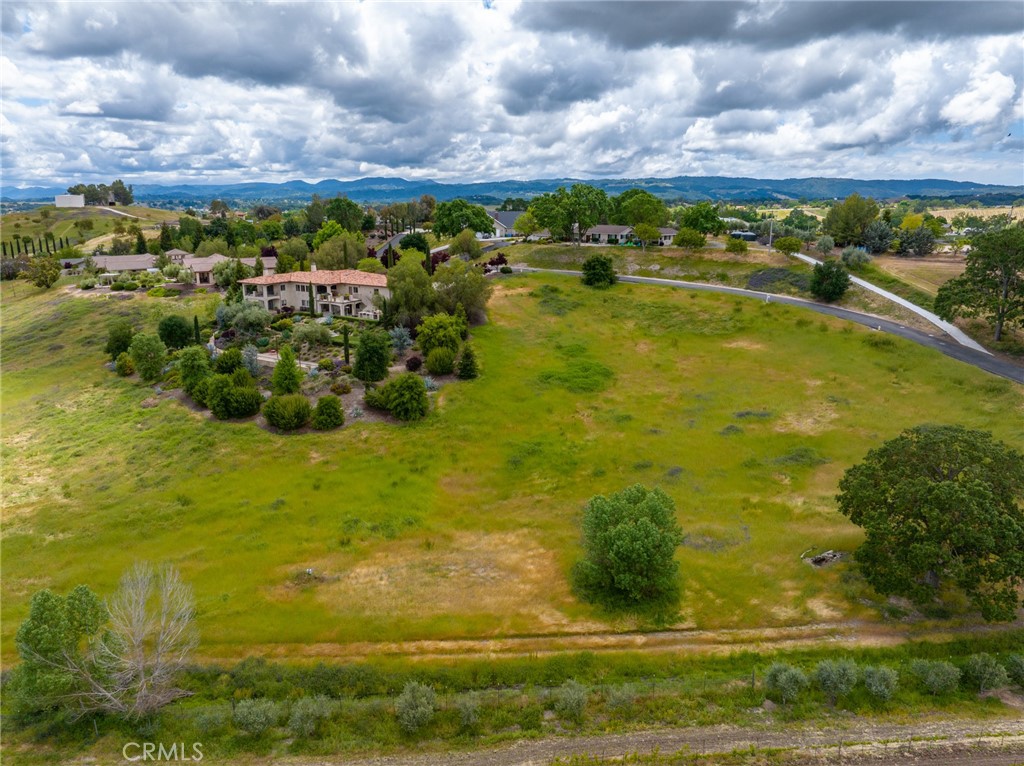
x: 747, y: 345
x: 814, y: 420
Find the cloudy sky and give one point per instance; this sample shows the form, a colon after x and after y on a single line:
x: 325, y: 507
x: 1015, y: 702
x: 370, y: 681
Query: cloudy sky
x: 191, y: 92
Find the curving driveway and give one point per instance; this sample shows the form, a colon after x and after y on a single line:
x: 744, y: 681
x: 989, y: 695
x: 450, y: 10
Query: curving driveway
x: 982, y: 359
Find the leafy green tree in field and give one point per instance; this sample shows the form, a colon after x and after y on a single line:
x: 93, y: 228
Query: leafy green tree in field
x: 373, y: 356
x: 646, y: 233
x: 287, y: 376
x: 690, y: 239
x: 465, y: 243
x: 985, y: 672
x: 411, y: 289
x: 570, y: 214
x: 459, y: 283
x: 702, y: 217
x: 149, y: 354
x: 526, y: 225
x: 829, y: 281
x: 917, y: 242
x: 371, y: 265
x: 825, y: 245
x: 598, y: 271
x: 342, y: 251
x: 788, y: 245
x: 941, y: 504
x: 629, y: 543
x: 636, y: 206
x: 847, y: 221
x: 415, y: 241
x: 175, y: 331
x: 881, y: 682
x: 992, y: 285
x: 227, y: 273
x: 798, y: 219
x: 119, y: 338
x: 452, y: 217
x: 345, y: 212
x: 438, y: 331
x: 43, y: 271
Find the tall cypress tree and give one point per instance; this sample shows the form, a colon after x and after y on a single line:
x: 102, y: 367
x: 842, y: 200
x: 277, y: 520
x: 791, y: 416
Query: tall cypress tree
x: 195, y: 330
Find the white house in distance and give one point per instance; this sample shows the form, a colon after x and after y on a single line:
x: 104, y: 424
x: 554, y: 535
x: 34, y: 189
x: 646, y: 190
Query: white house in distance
x: 69, y: 200
x: 505, y: 222
x: 202, y: 268
x: 340, y: 293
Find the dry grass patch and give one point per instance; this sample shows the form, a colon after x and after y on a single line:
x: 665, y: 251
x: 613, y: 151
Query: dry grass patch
x: 814, y: 419
x: 928, y: 274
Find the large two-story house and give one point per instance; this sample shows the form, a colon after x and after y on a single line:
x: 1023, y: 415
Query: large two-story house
x: 342, y: 293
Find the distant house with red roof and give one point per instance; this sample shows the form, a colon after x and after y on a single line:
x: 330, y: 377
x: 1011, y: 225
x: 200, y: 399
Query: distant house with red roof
x: 345, y: 292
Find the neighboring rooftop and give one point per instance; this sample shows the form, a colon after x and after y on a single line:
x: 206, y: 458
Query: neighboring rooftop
x: 322, y: 277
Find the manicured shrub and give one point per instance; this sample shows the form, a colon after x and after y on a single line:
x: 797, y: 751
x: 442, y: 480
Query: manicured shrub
x: 308, y: 713
x: 250, y: 359
x: 983, y: 672
x: 131, y: 286
x: 784, y: 681
x: 328, y: 413
x: 149, y: 354
x: 413, y: 363
x: 505, y: 269
x: 283, y: 324
x: 117, y: 286
x: 467, y: 364
x: 881, y: 682
x: 571, y: 702
x: 734, y: 245
x: 255, y: 716
x: 400, y: 339
x: 175, y: 331
x: 405, y: 397
x: 441, y: 361
x: 119, y: 338
x: 835, y: 678
x: 287, y: 411
x: 788, y: 245
x: 936, y: 676
x: 599, y: 271
x: 415, y: 706
x: 373, y: 356
x: 287, y: 377
x: 439, y: 331
x: 228, y: 361
x: 124, y: 366
x: 86, y: 283
x: 227, y: 399
x: 688, y: 238
x: 829, y: 281
x: 1015, y: 669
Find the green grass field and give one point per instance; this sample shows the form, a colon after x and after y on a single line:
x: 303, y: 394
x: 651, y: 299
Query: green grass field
x: 34, y: 224
x: 465, y: 524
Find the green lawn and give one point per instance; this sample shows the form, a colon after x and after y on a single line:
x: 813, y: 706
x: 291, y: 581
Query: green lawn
x: 465, y: 524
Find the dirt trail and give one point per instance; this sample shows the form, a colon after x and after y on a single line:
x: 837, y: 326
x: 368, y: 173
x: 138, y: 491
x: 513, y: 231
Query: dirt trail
x: 997, y: 743
x: 853, y: 633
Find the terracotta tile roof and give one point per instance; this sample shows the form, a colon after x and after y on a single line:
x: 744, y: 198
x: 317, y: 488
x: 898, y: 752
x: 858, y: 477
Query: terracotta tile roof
x: 322, y: 277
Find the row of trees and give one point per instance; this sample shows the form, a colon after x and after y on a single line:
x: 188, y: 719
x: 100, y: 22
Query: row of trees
x: 101, y: 194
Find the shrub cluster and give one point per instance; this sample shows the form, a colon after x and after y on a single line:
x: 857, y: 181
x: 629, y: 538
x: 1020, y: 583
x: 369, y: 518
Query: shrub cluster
x: 233, y: 396
x: 441, y: 361
x: 328, y: 413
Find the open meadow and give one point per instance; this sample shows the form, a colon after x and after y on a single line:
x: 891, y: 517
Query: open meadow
x: 465, y: 525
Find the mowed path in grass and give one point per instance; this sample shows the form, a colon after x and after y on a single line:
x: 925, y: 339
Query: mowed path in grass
x: 465, y: 525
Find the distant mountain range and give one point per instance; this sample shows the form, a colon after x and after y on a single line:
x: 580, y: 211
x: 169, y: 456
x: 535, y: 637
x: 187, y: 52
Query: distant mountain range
x: 692, y: 188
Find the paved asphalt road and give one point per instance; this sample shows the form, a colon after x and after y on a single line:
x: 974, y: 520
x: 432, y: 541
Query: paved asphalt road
x: 981, y: 360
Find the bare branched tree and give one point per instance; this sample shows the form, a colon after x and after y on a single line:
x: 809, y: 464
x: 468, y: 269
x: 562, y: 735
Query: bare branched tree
x: 130, y: 664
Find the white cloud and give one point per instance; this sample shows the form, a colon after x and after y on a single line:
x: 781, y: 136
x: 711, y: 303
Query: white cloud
x: 174, y: 92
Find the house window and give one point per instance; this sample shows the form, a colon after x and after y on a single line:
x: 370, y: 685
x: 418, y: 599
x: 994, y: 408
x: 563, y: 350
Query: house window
x: 376, y: 291
x: 355, y: 289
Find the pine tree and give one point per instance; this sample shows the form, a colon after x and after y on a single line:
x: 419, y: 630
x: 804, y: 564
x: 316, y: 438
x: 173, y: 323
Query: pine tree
x: 468, y: 368
x: 257, y: 269
x: 287, y: 377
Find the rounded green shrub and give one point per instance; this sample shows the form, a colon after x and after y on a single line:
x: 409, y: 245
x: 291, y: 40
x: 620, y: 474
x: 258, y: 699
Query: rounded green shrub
x: 124, y: 366
x: 836, y: 678
x: 441, y: 361
x: 784, y: 681
x: 415, y: 706
x: 228, y: 361
x: 984, y: 672
x: 881, y: 682
x: 255, y: 716
x: 571, y: 702
x: 328, y: 413
x: 308, y: 713
x: 405, y: 397
x: 936, y: 676
x: 287, y: 411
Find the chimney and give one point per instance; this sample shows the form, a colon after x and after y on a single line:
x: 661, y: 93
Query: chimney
x: 312, y: 267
